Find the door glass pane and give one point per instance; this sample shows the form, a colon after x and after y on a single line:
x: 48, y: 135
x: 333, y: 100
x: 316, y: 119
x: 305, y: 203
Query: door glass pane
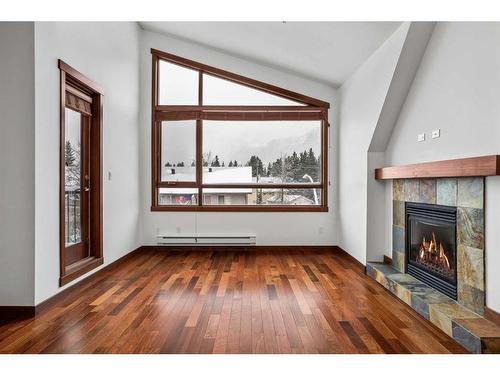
x: 72, y: 177
x: 217, y: 91
x: 178, y: 151
x: 177, y: 85
x: 261, y: 152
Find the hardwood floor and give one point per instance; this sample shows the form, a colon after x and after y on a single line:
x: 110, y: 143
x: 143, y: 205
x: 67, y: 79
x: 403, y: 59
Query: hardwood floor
x: 228, y: 301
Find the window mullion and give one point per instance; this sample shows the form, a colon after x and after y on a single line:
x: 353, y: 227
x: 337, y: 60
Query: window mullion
x: 159, y: 129
x: 199, y: 158
x: 199, y: 142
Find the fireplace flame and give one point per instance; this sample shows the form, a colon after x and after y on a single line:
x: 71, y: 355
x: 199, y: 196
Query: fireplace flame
x: 433, y: 253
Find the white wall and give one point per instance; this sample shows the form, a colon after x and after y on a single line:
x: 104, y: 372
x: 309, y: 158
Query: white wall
x: 457, y: 89
x: 377, y: 227
x: 361, y: 100
x: 108, y: 54
x: 17, y: 164
x: 270, y: 228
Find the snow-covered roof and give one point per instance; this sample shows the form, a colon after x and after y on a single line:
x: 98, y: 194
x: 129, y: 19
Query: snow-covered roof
x: 240, y: 175
x: 211, y: 175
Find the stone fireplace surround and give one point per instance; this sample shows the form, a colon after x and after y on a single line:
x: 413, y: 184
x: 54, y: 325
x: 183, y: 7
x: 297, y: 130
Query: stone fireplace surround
x: 462, y: 319
x: 467, y: 194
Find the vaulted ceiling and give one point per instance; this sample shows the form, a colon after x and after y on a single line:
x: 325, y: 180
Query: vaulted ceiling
x: 328, y: 52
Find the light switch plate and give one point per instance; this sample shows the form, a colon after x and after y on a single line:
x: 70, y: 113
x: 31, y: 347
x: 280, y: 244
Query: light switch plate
x: 421, y: 137
x: 436, y: 133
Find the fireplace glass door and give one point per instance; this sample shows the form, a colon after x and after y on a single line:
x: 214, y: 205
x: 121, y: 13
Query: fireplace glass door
x: 431, y: 245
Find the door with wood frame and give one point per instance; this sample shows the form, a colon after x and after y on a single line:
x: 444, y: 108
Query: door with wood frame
x: 80, y: 221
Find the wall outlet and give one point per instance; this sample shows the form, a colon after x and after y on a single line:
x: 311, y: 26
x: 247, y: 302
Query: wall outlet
x: 109, y: 175
x: 320, y: 230
x: 178, y: 230
x: 436, y: 133
x: 421, y: 137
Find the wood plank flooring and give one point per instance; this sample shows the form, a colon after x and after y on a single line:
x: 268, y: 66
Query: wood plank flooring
x: 228, y: 301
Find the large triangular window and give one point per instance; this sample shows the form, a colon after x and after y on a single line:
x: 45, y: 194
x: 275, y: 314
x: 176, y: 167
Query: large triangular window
x: 224, y: 142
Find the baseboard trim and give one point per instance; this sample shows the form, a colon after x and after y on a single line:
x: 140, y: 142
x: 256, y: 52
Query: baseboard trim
x: 230, y: 247
x: 12, y: 313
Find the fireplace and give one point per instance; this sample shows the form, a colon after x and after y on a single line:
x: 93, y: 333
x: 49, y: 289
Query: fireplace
x: 431, y: 248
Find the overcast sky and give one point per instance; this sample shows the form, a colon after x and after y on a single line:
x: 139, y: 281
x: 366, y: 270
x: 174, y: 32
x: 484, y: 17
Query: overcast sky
x: 239, y: 140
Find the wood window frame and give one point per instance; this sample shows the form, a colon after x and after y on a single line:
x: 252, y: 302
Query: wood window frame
x: 78, y: 85
x: 313, y: 109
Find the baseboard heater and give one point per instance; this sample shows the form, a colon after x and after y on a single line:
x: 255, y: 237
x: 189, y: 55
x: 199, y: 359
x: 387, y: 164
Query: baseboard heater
x: 170, y: 240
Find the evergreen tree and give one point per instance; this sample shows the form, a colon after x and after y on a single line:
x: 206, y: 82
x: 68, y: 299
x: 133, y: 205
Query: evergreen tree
x: 303, y: 163
x: 257, y: 166
x: 222, y: 164
x: 216, y: 162
x: 230, y: 163
x: 193, y: 164
x: 72, y: 164
x: 295, y: 168
x: 69, y: 154
x: 276, y: 168
x: 235, y: 164
x: 312, y: 165
x: 167, y: 164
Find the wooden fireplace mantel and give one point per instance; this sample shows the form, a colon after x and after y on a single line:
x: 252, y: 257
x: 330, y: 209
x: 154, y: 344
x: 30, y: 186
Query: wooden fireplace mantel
x: 466, y: 167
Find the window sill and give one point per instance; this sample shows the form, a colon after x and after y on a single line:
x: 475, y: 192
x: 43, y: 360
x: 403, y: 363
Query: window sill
x: 79, y: 268
x: 241, y: 208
